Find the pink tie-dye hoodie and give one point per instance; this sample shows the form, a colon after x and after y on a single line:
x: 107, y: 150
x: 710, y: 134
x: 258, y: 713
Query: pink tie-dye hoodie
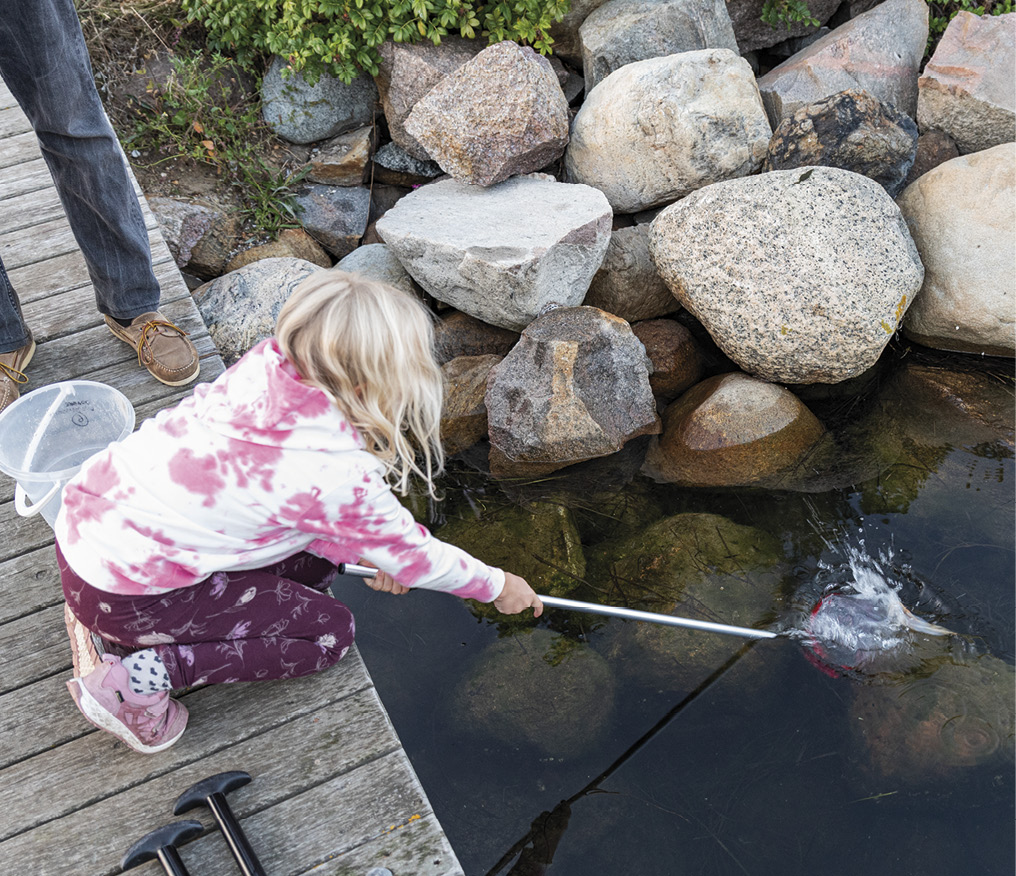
x: 250, y: 469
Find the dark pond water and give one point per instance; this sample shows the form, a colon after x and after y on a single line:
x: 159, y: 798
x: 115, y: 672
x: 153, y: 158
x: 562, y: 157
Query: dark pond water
x: 758, y: 761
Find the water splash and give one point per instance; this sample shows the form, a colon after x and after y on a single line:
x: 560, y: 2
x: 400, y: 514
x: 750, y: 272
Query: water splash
x: 860, y: 623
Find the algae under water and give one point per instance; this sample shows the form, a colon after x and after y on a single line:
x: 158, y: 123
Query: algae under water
x: 672, y: 751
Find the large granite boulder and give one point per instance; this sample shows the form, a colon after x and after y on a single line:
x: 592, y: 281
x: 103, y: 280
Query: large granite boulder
x: 732, y: 430
x: 502, y: 254
x: 627, y: 283
x: 575, y: 387
x: 376, y: 261
x: 407, y: 71
x: 335, y: 216
x: 968, y: 88
x: 302, y: 113
x: 656, y: 130
x: 240, y: 308
x: 851, y: 130
x: 962, y: 215
x: 880, y: 52
x: 459, y: 334
x: 501, y: 113
x: 753, y: 33
x: 623, y: 31
x: 800, y: 276
x: 565, y: 32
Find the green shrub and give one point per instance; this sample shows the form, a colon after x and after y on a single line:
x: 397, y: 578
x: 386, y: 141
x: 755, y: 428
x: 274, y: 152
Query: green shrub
x: 941, y: 13
x: 787, y: 12
x: 341, y: 36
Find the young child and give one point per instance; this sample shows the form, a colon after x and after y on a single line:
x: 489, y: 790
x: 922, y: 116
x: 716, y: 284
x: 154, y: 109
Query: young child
x: 202, y: 547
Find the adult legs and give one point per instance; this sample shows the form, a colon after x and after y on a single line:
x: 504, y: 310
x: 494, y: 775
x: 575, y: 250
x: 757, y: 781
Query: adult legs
x: 233, y: 626
x: 45, y: 64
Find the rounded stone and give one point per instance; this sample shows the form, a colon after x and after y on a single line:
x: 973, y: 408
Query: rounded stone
x: 732, y: 430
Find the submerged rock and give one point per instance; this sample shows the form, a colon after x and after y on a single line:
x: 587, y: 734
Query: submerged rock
x: 800, y: 276
x: 926, y: 729
x: 962, y: 216
x: 540, y: 689
x: 691, y: 565
x: 575, y: 387
x: 732, y: 430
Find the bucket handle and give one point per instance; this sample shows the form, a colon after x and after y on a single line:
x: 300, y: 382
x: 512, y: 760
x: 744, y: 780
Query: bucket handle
x: 21, y: 501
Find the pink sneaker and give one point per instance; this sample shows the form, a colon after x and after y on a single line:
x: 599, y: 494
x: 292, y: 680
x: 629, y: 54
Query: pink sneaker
x: 147, y: 723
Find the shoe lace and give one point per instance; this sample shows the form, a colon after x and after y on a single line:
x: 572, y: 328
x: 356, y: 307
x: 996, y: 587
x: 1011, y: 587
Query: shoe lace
x: 154, y: 327
x: 13, y: 373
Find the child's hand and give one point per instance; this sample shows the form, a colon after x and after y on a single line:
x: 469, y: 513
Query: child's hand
x: 383, y: 582
x: 517, y: 596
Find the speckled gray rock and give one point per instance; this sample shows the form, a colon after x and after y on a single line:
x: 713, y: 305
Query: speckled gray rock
x: 302, y: 113
x: 201, y: 238
x: 335, y: 216
x: 628, y: 284
x: 731, y: 430
x: 800, y: 276
x: 343, y: 160
x: 575, y: 387
x: 502, y: 254
x: 376, y: 261
x: 501, y: 113
x: 852, y: 130
x: 968, y: 88
x: 962, y: 215
x: 752, y: 33
x: 656, y: 130
x: 240, y: 308
x: 292, y: 243
x: 407, y: 71
x: 622, y: 31
x: 880, y: 51
x: 463, y: 411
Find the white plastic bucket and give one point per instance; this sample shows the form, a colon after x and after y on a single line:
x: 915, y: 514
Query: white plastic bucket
x: 47, y: 434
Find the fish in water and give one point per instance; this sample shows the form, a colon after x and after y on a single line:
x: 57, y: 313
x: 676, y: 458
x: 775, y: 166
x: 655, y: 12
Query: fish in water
x: 862, y: 625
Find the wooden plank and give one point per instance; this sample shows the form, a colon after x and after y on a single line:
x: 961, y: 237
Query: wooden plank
x: 222, y: 716
x: 30, y: 209
x: 19, y: 149
x: 33, y: 647
x: 20, y: 535
x: 32, y: 176
x: 21, y: 247
x: 365, y: 806
x: 12, y: 119
x: 31, y: 582
x: 38, y: 717
x: 353, y: 730
x: 67, y: 271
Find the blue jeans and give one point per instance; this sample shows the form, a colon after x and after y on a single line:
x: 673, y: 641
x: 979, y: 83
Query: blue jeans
x: 45, y: 64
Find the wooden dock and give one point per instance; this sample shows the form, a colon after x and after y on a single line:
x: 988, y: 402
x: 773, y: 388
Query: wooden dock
x: 332, y: 792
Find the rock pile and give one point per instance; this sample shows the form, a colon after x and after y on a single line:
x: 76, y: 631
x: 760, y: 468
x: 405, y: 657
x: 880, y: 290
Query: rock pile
x: 705, y: 224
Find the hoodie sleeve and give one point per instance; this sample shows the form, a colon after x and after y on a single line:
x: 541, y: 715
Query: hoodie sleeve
x: 371, y: 523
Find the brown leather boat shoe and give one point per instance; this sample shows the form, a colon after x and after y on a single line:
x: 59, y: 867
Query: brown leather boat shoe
x: 162, y: 347
x: 12, y: 372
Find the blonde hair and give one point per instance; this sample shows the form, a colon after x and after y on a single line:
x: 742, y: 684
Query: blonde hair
x: 370, y: 347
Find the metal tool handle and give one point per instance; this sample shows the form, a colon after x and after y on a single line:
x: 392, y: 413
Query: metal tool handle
x: 614, y: 611
x: 239, y: 846
x: 651, y: 617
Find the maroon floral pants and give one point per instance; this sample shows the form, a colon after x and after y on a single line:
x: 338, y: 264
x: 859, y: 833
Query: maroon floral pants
x: 276, y: 622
